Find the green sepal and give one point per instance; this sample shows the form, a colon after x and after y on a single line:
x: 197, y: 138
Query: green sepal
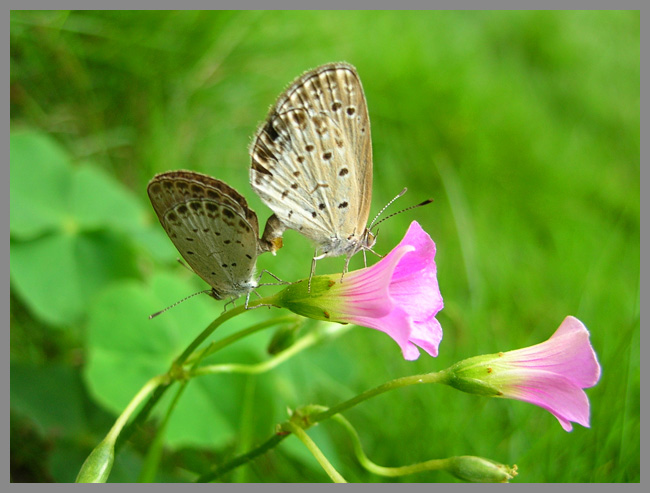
x: 318, y: 303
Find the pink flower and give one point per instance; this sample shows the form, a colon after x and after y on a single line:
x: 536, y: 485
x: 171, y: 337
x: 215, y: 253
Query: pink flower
x: 399, y: 295
x: 551, y: 375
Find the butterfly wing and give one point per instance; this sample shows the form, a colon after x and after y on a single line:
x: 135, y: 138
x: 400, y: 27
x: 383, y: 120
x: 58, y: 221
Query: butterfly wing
x: 312, y: 158
x: 211, y: 226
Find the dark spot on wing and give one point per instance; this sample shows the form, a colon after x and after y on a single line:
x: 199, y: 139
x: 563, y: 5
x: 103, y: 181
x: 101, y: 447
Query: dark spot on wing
x: 271, y: 132
x: 259, y: 168
x: 343, y: 205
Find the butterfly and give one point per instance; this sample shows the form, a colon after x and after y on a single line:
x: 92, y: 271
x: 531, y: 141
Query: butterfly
x: 214, y: 230
x: 311, y: 161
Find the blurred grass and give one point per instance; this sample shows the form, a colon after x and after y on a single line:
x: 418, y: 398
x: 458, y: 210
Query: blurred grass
x: 523, y: 126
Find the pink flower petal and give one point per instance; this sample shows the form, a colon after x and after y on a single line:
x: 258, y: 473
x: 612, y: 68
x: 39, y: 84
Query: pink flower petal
x: 555, y: 393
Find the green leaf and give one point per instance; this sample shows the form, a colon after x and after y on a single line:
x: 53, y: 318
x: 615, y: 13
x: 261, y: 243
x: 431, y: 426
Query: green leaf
x: 75, y: 218
x: 126, y: 349
x: 99, y: 201
x: 58, y: 275
x: 51, y: 395
x: 39, y: 183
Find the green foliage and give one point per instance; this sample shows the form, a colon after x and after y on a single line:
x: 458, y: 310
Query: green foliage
x: 523, y: 126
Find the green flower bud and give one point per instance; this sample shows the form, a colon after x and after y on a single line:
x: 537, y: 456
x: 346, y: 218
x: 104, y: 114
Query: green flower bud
x: 284, y: 337
x: 480, y: 470
x: 98, y: 464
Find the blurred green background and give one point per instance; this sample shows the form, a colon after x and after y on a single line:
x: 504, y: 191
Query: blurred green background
x: 522, y: 126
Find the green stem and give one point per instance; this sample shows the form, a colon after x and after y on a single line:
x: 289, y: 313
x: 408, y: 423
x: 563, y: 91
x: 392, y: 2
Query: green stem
x: 429, y: 465
x: 391, y: 385
x: 179, y: 362
x: 137, y: 399
x: 309, y: 340
x: 315, y: 418
x: 313, y: 448
x: 242, y: 459
x: 218, y: 345
x: 152, y: 458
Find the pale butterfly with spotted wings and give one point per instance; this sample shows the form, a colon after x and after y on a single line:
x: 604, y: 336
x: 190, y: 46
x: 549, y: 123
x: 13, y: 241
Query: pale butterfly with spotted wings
x: 214, y: 230
x: 311, y: 161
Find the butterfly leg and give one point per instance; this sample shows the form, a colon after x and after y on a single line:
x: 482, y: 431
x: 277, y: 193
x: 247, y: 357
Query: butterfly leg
x: 231, y: 300
x: 346, y: 267
x: 372, y: 251
x: 248, y: 295
x: 313, y: 270
x: 264, y: 271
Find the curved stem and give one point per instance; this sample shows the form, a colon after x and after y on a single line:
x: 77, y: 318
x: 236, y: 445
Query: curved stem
x: 315, y: 418
x: 218, y: 345
x: 146, y: 389
x: 216, y: 323
x: 179, y: 362
x: 429, y: 465
x: 313, y: 448
x: 393, y: 384
x: 302, y: 343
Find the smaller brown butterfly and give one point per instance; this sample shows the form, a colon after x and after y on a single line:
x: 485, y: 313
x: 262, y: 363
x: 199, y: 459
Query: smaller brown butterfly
x: 214, y: 230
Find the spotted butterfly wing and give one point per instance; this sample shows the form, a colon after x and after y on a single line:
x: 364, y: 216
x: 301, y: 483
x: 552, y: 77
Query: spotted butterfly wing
x: 311, y: 160
x: 212, y: 227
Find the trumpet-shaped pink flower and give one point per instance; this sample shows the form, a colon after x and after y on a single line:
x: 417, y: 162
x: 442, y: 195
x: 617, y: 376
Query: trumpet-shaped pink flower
x: 399, y: 295
x: 551, y: 375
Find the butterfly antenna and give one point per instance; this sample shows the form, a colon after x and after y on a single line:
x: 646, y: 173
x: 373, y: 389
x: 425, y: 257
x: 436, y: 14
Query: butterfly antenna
x: 386, y: 206
x: 207, y: 291
x: 428, y: 201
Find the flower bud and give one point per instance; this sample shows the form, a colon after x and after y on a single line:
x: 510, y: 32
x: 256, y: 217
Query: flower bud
x: 480, y: 470
x: 283, y: 338
x: 98, y: 464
